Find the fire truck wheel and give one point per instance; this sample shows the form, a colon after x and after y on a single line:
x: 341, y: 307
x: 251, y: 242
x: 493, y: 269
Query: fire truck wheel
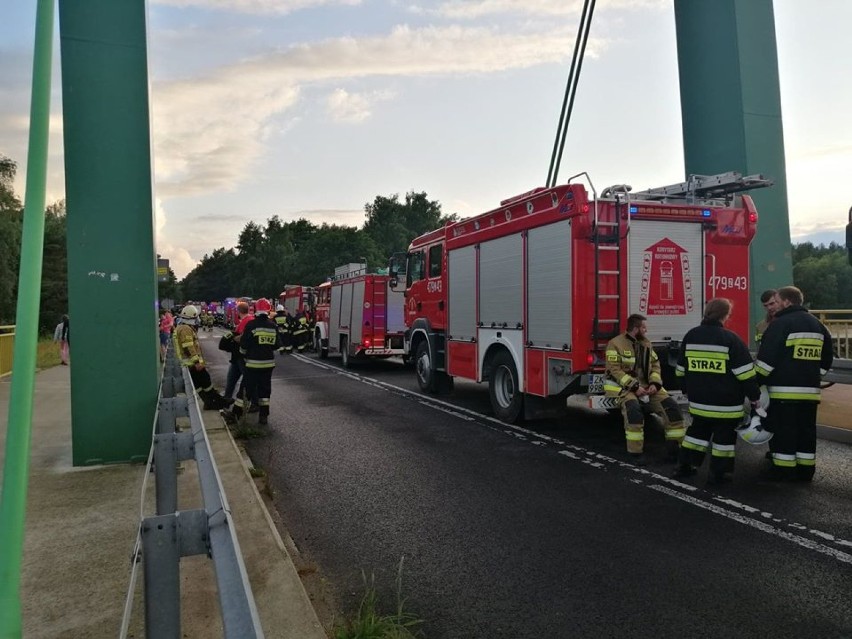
x: 319, y: 347
x: 423, y: 368
x: 507, y: 399
x: 344, y: 350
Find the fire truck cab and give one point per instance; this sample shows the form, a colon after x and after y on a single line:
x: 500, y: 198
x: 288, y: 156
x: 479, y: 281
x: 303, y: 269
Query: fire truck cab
x: 525, y: 297
x: 358, y: 315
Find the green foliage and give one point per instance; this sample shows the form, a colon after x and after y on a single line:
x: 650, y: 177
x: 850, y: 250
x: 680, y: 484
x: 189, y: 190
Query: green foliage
x: 269, y: 257
x: 824, y: 275
x: 369, y: 623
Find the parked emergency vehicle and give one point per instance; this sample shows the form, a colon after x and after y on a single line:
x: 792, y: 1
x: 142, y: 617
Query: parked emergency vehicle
x: 526, y: 296
x: 358, y: 315
x: 297, y: 298
x: 231, y: 315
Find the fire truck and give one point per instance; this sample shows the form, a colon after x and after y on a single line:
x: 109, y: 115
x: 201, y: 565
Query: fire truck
x: 526, y: 296
x: 297, y: 298
x: 358, y: 315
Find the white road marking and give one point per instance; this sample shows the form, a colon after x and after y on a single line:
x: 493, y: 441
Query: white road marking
x: 762, y: 526
x: 599, y: 461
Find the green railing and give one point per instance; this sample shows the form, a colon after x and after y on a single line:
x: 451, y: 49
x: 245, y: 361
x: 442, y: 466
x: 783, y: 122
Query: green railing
x: 839, y: 324
x: 7, y: 346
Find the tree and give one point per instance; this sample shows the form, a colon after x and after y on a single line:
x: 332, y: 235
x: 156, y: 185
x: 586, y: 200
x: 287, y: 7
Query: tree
x: 824, y: 275
x: 393, y: 224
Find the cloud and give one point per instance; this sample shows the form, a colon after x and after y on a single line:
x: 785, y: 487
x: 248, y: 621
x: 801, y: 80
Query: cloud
x: 352, y: 108
x: 471, y: 9
x: 180, y: 261
x: 213, y: 217
x: 343, y: 217
x: 209, y: 131
x: 261, y: 7
x: 799, y: 229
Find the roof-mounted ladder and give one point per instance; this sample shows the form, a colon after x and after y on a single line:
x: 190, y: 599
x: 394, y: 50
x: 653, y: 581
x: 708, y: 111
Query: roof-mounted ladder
x: 705, y: 187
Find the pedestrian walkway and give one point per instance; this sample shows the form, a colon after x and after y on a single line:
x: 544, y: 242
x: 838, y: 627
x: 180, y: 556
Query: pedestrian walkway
x: 835, y: 413
x: 81, y: 528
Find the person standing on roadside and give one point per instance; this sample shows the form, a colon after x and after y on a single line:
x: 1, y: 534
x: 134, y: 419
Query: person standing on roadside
x: 167, y: 322
x: 795, y: 353
x: 633, y: 376
x: 718, y: 373
x: 770, y: 305
x: 62, y: 335
x: 258, y: 342
x: 230, y: 343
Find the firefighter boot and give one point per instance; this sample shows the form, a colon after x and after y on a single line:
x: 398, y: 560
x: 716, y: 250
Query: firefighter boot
x: 213, y: 400
x: 263, y: 415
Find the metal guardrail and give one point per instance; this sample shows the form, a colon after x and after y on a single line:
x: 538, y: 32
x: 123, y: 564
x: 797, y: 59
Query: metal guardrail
x: 839, y: 324
x: 7, y: 348
x: 840, y: 373
x: 172, y: 534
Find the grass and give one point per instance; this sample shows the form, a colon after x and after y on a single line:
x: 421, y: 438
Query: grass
x: 47, y: 353
x: 242, y: 430
x: 369, y: 623
x: 254, y: 471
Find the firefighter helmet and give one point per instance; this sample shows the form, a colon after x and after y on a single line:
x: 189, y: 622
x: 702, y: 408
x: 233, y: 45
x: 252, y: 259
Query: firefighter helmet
x: 262, y: 306
x: 189, y: 313
x: 279, y: 308
x: 755, y: 433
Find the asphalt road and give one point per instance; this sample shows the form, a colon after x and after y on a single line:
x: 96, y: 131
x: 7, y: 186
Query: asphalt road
x: 545, y: 530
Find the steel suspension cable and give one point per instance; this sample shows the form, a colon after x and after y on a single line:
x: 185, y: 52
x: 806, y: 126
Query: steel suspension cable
x: 570, y: 90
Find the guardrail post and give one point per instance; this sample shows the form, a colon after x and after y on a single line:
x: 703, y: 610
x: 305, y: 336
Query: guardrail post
x: 166, y: 454
x: 161, y: 554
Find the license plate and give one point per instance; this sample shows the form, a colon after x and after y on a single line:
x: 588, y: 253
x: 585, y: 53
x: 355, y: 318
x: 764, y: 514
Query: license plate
x: 596, y: 383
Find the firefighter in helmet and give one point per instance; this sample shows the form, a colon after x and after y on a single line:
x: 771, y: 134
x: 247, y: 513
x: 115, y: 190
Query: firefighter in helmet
x: 188, y: 350
x: 257, y: 345
x: 633, y: 376
x: 282, y: 321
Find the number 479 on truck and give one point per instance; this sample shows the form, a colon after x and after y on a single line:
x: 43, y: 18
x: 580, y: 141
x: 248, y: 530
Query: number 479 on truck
x: 526, y: 296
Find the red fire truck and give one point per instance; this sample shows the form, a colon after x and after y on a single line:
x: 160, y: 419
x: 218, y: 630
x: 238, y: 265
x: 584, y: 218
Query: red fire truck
x: 358, y: 315
x: 297, y: 298
x: 526, y: 296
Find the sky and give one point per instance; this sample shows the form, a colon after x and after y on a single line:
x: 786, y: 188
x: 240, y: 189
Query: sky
x: 311, y: 108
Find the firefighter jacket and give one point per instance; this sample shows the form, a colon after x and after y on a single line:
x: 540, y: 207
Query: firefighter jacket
x: 760, y: 329
x: 794, y: 354
x: 258, y: 342
x: 717, y: 371
x: 282, y: 321
x: 630, y: 362
x: 187, y: 347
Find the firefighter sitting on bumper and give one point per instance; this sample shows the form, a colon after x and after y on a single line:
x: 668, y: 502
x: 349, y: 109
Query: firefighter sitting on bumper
x: 633, y: 376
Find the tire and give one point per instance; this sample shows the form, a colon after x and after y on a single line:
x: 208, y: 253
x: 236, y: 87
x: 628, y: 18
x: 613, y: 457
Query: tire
x: 423, y: 368
x: 318, y: 345
x: 507, y: 398
x: 344, y: 351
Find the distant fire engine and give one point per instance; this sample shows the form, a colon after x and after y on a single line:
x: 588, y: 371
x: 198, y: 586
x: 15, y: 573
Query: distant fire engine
x: 297, y: 298
x: 357, y: 315
x: 527, y: 295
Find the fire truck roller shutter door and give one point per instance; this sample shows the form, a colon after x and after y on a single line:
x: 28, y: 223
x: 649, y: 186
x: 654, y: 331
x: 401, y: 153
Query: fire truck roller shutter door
x: 462, y: 283
x: 549, y: 285
x: 334, y: 318
x: 666, y: 269
x: 501, y: 276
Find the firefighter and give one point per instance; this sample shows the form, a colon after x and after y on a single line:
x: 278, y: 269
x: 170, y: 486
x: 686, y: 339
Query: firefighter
x: 230, y: 343
x: 282, y: 321
x: 633, y: 376
x: 770, y: 305
x: 718, y: 373
x: 795, y: 352
x: 300, y: 332
x: 188, y: 350
x: 258, y: 342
